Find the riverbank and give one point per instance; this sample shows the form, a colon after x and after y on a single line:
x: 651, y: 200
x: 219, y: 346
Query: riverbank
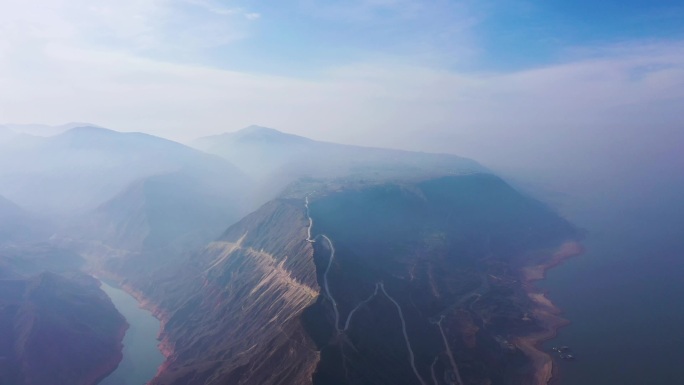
x: 545, y: 312
x: 110, y: 366
x: 164, y: 345
x: 142, y: 356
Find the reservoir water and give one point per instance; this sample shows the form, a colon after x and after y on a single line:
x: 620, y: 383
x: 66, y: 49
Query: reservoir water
x: 624, y: 295
x: 141, y: 356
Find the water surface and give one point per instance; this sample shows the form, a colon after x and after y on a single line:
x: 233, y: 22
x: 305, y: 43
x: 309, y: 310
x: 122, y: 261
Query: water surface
x: 141, y: 356
x: 625, y: 295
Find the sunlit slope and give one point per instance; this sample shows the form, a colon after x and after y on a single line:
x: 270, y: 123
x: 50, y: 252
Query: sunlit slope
x: 231, y: 314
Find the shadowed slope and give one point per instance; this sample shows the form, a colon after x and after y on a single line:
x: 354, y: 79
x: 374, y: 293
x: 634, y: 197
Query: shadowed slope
x: 57, y: 330
x: 447, y: 256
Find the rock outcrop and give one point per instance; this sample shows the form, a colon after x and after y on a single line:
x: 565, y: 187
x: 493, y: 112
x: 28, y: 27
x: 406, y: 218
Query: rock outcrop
x: 232, y: 314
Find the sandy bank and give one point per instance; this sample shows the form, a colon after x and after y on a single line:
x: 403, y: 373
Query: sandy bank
x: 545, y: 312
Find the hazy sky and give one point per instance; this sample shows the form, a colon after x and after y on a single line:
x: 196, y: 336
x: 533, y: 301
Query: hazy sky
x: 500, y: 81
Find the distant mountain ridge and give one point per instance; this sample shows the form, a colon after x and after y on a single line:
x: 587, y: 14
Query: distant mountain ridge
x: 16, y: 224
x: 256, y: 133
x: 85, y: 166
x: 43, y: 129
x: 276, y: 159
x: 283, y: 148
x: 6, y: 133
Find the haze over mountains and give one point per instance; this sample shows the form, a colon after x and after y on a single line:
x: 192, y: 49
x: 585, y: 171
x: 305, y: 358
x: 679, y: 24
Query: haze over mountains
x: 262, y: 152
x: 86, y: 166
x: 272, y: 258
x: 15, y: 222
x: 40, y: 129
x: 276, y: 159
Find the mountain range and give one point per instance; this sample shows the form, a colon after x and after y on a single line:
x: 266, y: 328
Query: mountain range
x: 43, y: 130
x: 272, y: 258
x: 85, y: 166
x: 275, y: 159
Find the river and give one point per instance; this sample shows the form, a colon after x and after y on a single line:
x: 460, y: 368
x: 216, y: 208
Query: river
x: 141, y: 356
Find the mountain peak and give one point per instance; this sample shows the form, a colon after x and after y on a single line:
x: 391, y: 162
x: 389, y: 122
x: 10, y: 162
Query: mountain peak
x: 89, y: 130
x: 255, y: 129
x: 259, y: 133
x: 44, y: 130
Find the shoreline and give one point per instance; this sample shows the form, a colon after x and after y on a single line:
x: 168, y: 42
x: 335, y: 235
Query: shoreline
x: 106, y: 369
x: 163, y: 346
x: 545, y: 312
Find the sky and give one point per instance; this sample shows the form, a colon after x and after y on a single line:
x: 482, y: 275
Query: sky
x: 517, y: 84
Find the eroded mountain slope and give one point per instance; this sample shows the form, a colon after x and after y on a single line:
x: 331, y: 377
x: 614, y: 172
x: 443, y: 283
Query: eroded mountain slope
x: 231, y: 315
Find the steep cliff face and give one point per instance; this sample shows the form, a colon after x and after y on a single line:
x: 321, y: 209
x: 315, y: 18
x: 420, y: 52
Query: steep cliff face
x: 57, y: 330
x: 232, y: 314
x: 423, y: 282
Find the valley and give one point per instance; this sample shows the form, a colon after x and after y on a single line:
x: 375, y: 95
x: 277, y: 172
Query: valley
x: 397, y: 268
x: 141, y: 355
x: 326, y: 192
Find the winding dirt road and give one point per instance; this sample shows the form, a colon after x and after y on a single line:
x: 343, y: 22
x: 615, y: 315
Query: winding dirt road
x: 378, y: 286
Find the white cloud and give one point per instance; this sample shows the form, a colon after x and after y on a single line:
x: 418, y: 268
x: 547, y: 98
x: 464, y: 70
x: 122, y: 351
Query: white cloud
x: 440, y: 32
x: 171, y: 28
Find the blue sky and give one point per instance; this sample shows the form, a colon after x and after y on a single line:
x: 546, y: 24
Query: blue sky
x: 307, y: 36
x: 493, y: 80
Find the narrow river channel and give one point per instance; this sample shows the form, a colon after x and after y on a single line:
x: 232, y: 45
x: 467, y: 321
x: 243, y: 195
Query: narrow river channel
x: 141, y: 356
